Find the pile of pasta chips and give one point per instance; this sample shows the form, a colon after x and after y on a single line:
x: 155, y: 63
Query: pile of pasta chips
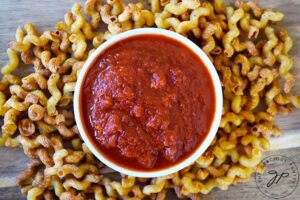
x: 249, y: 53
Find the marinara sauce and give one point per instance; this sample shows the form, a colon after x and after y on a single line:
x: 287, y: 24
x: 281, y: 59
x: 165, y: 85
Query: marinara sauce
x: 148, y: 102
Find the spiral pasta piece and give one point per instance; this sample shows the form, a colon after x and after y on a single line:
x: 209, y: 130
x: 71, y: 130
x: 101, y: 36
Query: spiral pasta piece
x: 56, y: 94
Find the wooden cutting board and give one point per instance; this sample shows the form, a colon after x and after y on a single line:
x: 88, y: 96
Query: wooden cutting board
x: 44, y: 14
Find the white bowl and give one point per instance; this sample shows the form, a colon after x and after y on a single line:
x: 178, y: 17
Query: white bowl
x: 216, y: 120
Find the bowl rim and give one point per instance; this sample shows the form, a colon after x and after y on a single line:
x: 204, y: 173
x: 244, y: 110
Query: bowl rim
x: 218, y: 102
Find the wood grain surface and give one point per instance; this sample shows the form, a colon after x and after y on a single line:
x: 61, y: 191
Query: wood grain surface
x: 44, y: 14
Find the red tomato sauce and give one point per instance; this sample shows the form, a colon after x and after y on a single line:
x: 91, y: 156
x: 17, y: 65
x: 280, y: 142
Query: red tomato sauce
x: 148, y: 102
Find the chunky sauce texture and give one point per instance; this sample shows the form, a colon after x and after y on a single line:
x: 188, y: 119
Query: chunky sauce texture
x: 148, y: 102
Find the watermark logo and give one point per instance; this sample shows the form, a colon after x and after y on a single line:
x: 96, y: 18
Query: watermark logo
x: 280, y: 178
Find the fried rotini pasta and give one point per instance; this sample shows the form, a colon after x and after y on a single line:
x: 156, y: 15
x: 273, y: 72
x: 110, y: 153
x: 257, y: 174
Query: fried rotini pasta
x: 56, y: 94
x: 233, y: 18
x: 37, y: 108
x: 12, y: 63
x: 81, y: 185
x: 79, y: 44
x: 19, y: 45
x: 178, y: 8
x: 34, y: 193
x: 92, y: 8
x: 266, y: 17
